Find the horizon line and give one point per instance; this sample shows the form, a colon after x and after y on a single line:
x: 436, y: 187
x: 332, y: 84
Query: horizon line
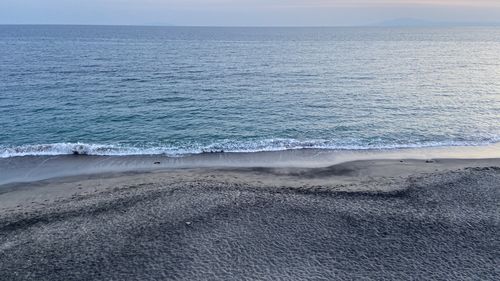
x: 429, y: 24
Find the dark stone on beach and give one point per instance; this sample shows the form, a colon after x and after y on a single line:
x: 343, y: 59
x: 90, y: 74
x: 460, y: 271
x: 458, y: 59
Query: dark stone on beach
x: 76, y: 152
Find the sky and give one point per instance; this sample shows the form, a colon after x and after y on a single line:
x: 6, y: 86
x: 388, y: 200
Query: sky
x: 244, y: 12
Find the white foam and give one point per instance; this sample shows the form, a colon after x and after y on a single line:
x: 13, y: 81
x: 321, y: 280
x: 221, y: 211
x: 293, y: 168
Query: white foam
x: 224, y: 146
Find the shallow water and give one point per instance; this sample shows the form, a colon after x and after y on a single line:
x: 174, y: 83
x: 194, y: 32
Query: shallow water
x: 174, y: 90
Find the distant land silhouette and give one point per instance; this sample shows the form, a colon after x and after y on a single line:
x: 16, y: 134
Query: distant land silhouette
x: 415, y: 22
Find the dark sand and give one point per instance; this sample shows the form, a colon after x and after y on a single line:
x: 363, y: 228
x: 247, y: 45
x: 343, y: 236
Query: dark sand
x: 371, y: 220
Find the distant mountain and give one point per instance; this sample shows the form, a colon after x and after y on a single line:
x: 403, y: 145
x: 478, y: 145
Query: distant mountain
x: 405, y: 22
x: 158, y: 24
x: 413, y: 22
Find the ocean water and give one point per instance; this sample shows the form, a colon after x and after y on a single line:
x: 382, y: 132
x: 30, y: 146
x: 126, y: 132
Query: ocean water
x: 179, y: 90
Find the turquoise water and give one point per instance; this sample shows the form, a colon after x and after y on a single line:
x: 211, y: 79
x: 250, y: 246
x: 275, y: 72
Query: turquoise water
x: 174, y: 90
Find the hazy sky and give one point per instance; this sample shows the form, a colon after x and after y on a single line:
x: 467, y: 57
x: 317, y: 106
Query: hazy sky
x: 243, y: 12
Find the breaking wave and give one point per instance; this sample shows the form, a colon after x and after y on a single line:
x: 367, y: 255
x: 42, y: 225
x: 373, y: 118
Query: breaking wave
x: 224, y: 146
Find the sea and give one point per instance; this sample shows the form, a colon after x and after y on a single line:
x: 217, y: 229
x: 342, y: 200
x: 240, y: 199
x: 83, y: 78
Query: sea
x: 176, y: 91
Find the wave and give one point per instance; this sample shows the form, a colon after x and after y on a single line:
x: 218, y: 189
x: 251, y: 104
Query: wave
x: 224, y: 146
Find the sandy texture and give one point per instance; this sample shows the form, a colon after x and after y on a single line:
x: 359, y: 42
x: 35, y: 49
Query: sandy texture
x: 392, y: 219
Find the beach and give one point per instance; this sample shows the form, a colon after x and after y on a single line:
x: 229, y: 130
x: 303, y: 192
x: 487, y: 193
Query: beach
x: 394, y: 219
x: 132, y: 152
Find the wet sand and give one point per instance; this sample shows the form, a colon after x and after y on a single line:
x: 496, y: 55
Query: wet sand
x: 36, y: 168
x: 395, y: 219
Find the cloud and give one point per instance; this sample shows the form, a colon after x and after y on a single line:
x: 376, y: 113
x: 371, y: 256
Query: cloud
x: 316, y: 3
x: 208, y: 4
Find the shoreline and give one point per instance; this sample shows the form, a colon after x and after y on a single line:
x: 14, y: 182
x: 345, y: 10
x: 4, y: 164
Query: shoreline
x: 27, y: 169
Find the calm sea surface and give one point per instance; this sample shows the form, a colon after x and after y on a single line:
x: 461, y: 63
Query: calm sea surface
x: 175, y: 90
